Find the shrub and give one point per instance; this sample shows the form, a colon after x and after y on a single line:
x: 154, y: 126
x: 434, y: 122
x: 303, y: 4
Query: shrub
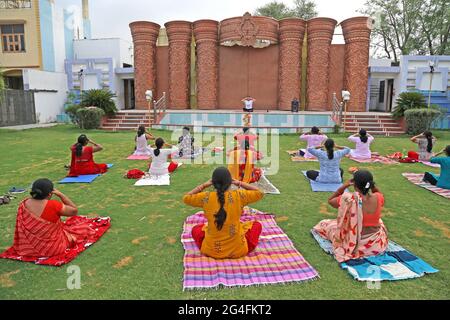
x: 420, y: 120
x: 90, y: 118
x: 100, y: 98
x: 408, y: 100
x: 71, y: 107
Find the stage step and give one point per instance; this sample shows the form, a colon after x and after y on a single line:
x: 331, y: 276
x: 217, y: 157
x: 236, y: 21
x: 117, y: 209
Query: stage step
x: 373, y: 124
x: 128, y: 120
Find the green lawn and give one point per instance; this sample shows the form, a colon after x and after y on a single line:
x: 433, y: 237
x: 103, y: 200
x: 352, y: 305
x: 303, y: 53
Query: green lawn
x: 151, y: 267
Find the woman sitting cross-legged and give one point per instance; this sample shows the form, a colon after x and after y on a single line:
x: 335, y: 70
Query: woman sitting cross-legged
x: 225, y: 236
x: 425, y: 142
x: 329, y: 160
x: 83, y: 158
x: 358, y: 230
x: 363, y: 140
x: 39, y: 229
x: 313, y: 139
x: 160, y: 164
x: 443, y: 180
x: 186, y: 144
x: 241, y: 164
x: 142, y: 147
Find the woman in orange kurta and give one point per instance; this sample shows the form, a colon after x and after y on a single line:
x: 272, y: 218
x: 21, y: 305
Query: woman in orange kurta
x: 225, y: 236
x: 83, y: 158
x: 241, y: 164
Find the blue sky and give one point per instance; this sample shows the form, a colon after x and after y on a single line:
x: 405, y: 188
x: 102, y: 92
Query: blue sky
x: 110, y: 18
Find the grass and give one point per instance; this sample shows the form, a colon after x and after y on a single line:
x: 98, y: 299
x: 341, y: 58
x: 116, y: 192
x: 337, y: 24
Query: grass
x: 141, y: 256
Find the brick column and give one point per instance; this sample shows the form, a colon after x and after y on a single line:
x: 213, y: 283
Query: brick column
x: 206, y: 38
x: 357, y: 44
x: 320, y: 35
x: 292, y: 32
x: 144, y: 35
x: 180, y: 38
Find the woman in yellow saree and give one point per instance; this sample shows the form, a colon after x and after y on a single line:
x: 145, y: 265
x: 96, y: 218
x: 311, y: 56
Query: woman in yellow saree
x: 241, y: 164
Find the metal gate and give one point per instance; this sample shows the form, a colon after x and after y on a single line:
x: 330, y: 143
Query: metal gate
x: 17, y: 108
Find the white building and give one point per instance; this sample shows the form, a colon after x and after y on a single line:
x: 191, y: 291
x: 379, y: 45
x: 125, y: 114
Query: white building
x: 103, y: 64
x: 413, y: 73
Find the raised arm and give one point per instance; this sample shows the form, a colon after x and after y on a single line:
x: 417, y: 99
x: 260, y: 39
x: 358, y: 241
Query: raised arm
x: 200, y: 188
x: 96, y: 147
x: 244, y: 185
x: 414, y: 139
x: 69, y: 208
x: 334, y: 199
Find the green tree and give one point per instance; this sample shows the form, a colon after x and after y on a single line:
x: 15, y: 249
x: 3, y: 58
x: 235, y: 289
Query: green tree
x: 274, y: 9
x: 305, y: 9
x: 406, y: 27
x: 434, y: 24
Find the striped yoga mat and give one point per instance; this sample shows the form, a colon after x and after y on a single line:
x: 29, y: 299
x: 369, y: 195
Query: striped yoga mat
x: 275, y: 260
x: 417, y: 179
x: 396, y: 263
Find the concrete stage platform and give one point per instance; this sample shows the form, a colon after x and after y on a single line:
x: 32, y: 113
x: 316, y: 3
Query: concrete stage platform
x: 283, y: 121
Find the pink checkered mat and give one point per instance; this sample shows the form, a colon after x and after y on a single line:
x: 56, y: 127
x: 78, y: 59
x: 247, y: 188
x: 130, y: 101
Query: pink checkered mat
x: 275, y: 260
x: 417, y: 179
x: 376, y: 158
x: 134, y: 157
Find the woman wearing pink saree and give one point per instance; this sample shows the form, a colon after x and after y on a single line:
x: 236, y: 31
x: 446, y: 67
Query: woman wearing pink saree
x: 358, y: 231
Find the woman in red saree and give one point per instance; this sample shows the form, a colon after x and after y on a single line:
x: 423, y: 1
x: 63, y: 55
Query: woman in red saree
x: 358, y: 230
x: 40, y: 233
x: 83, y: 158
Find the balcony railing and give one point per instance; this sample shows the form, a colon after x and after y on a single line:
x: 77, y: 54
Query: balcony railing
x: 15, y: 4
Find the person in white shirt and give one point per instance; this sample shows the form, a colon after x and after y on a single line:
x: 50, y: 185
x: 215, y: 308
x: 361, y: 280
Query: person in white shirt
x: 248, y: 104
x: 160, y: 164
x: 363, y: 140
x: 142, y: 147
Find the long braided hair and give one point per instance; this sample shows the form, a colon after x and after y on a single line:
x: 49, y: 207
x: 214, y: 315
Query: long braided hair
x: 141, y: 131
x: 221, y: 180
x: 329, y: 145
x: 429, y: 136
x: 82, y: 141
x: 159, y: 144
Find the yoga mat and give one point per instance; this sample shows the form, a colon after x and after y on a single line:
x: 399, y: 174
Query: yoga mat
x: 275, y: 260
x: 163, y: 180
x: 433, y: 165
x: 266, y: 186
x: 89, y: 178
x: 295, y: 157
x: 376, y: 158
x: 322, y: 187
x: 133, y: 157
x: 395, y: 264
x: 417, y: 179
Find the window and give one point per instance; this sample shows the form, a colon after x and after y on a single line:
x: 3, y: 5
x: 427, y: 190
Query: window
x: 15, y: 4
x: 381, y: 93
x: 13, y: 37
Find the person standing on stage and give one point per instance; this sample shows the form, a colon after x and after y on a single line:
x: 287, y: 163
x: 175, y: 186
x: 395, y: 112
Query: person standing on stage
x: 248, y: 104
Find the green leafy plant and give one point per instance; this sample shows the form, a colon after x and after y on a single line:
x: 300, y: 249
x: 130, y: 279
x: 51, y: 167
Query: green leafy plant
x: 336, y: 129
x: 71, y: 107
x: 100, y: 98
x: 420, y: 120
x: 408, y: 100
x: 90, y: 117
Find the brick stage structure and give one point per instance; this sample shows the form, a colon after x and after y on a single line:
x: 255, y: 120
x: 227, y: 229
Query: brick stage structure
x: 252, y: 56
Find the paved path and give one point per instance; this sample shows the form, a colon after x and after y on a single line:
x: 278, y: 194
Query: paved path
x: 31, y: 126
